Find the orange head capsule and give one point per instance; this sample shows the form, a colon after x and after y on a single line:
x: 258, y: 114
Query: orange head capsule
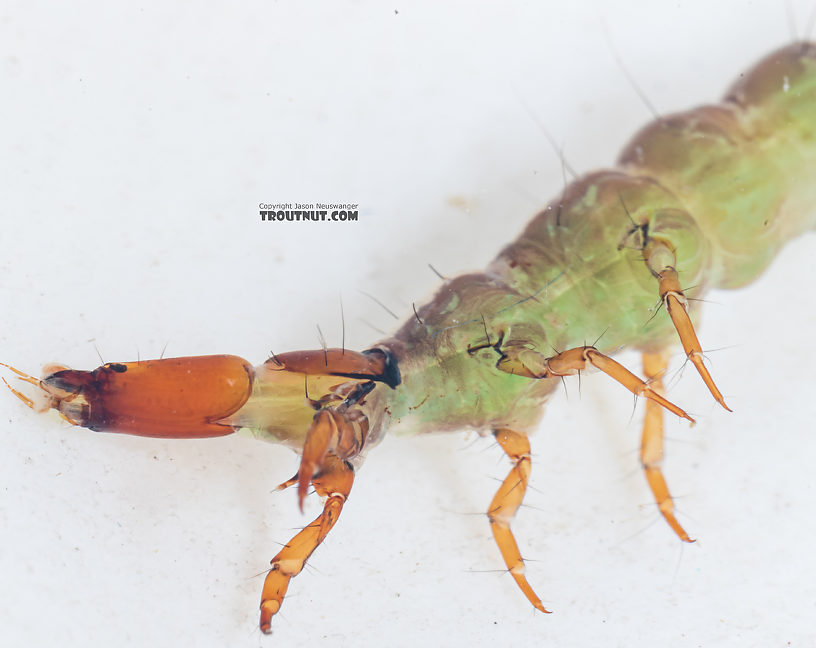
x: 206, y: 396
x: 172, y: 398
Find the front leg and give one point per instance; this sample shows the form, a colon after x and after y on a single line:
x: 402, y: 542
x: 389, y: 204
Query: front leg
x: 506, y: 502
x: 334, y: 481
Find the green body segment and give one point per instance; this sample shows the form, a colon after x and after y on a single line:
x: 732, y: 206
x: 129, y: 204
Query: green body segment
x: 726, y: 186
x: 745, y: 169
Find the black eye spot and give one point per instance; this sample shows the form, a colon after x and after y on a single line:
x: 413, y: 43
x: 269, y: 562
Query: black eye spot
x: 117, y: 367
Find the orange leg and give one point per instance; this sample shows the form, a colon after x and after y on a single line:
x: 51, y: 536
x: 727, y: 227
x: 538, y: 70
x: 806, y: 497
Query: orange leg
x: 338, y: 430
x: 651, y: 444
x: 522, y: 361
x: 334, y: 482
x: 660, y: 259
x: 532, y: 364
x: 505, y: 504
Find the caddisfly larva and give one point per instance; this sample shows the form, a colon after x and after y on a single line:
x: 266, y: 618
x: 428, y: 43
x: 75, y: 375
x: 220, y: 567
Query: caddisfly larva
x: 221, y: 310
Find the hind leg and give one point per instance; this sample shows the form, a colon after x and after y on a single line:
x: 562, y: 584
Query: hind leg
x: 651, y: 443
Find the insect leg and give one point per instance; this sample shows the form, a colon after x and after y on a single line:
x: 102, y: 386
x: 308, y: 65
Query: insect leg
x: 522, y: 361
x: 336, y: 433
x: 651, y: 443
x: 629, y: 380
x: 505, y: 504
x: 661, y: 261
x: 532, y: 364
x: 334, y: 482
x: 339, y: 430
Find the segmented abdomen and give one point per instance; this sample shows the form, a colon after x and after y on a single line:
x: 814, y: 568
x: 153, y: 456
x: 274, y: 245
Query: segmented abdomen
x: 727, y: 186
x: 724, y: 187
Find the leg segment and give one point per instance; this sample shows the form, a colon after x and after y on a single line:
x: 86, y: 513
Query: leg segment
x: 334, y: 482
x: 505, y: 504
x: 532, y: 364
x: 520, y: 360
x: 661, y: 261
x: 338, y: 430
x: 651, y: 444
x: 335, y: 434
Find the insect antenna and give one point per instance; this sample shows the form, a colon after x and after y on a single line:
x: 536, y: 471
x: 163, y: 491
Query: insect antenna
x: 418, y: 318
x: 25, y: 399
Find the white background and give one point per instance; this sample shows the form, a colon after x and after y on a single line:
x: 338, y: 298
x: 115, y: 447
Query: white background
x: 136, y: 144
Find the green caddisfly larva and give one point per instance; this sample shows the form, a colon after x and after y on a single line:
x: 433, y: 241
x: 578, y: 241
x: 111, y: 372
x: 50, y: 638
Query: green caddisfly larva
x: 697, y: 202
